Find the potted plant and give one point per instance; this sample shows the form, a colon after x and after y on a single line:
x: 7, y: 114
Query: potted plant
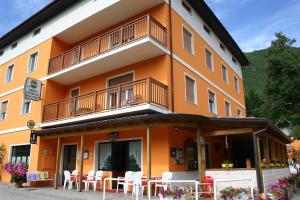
x: 231, y: 193
x: 227, y: 164
x: 264, y: 163
x: 17, y: 172
x: 175, y: 194
x: 272, y: 164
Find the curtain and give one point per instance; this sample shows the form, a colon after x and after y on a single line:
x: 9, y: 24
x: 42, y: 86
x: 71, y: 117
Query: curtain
x: 105, y: 160
x: 135, y: 156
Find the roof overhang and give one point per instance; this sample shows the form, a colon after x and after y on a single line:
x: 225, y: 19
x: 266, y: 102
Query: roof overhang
x: 185, y: 120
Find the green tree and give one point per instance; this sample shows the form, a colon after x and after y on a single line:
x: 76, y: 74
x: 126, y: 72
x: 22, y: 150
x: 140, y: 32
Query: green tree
x: 254, y: 104
x: 296, y: 132
x: 282, y: 90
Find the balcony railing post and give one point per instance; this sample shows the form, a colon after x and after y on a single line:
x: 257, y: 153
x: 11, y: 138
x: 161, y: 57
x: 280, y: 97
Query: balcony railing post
x: 149, y: 90
x: 148, y: 24
x: 99, y: 45
x: 95, y: 103
x: 62, y: 61
x: 79, y: 54
x: 120, y: 96
x: 57, y: 111
x: 121, y: 35
x: 75, y: 102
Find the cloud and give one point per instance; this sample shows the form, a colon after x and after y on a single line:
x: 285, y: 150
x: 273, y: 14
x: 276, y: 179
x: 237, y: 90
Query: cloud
x: 259, y: 35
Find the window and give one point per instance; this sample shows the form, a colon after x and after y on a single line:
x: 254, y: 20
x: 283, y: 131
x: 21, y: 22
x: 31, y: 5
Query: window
x: 234, y: 60
x: 26, y: 107
x: 227, y: 109
x: 212, y: 102
x: 1, y: 52
x: 14, y: 45
x: 186, y: 6
x: 32, y: 65
x: 222, y: 47
x: 187, y: 40
x: 208, y: 59
x: 238, y: 113
x: 105, y: 156
x: 224, y: 73
x: 20, y: 154
x: 9, y: 73
x: 3, y: 109
x: 190, y: 90
x: 36, y: 31
x: 206, y: 29
x: 236, y: 84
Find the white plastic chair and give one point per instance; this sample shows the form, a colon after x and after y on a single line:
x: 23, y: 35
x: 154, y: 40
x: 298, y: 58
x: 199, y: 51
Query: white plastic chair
x: 138, y: 187
x: 164, y: 184
x: 67, y: 179
x: 75, y: 175
x: 89, y: 178
x: 97, y: 179
x: 125, y: 181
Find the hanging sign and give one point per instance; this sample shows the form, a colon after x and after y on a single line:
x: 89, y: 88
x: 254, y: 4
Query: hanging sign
x: 32, y: 89
x: 33, y: 138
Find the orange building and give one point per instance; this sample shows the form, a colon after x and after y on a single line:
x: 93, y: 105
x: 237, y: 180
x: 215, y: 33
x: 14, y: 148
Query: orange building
x: 152, y: 86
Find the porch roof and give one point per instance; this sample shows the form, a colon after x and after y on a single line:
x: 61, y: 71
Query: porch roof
x: 207, y: 124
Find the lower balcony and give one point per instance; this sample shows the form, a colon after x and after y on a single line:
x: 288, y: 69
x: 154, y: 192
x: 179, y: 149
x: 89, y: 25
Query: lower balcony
x: 137, y: 96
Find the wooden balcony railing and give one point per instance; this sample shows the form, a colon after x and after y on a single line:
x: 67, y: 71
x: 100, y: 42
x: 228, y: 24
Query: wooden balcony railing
x: 137, y: 29
x: 121, y: 96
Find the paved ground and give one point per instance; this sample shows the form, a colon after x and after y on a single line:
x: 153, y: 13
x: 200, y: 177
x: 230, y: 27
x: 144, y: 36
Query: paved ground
x: 296, y: 196
x: 8, y: 192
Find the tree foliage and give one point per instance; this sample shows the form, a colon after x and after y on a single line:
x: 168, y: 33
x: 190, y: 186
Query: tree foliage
x: 296, y: 132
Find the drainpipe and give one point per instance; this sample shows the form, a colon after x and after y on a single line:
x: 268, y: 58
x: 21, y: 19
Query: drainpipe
x: 259, y: 176
x: 171, y: 56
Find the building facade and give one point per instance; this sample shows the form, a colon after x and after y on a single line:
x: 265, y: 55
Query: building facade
x: 112, y: 60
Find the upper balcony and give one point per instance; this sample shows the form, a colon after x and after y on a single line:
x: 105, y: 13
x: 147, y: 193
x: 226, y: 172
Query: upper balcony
x: 146, y: 95
x: 138, y: 40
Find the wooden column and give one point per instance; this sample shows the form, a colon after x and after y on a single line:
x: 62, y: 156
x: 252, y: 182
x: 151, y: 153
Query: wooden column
x: 266, y: 149
x: 81, y: 163
x: 201, y: 154
x: 278, y: 152
x: 149, y: 141
x: 257, y: 159
x: 58, y: 153
x: 273, y: 154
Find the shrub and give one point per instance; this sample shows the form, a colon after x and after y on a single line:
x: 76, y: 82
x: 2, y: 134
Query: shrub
x: 17, y: 172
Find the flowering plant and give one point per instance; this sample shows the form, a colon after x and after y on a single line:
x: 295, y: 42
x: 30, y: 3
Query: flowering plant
x: 230, y: 193
x: 176, y: 193
x: 2, y: 152
x: 17, y: 172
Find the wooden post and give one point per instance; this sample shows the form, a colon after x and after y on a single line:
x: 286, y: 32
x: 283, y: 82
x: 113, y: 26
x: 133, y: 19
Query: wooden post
x: 81, y: 164
x: 58, y: 149
x: 257, y: 159
x: 273, y: 154
x: 149, y: 140
x: 201, y: 155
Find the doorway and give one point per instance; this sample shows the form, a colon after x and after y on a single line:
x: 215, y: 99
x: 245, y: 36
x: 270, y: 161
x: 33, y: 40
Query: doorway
x: 69, y: 158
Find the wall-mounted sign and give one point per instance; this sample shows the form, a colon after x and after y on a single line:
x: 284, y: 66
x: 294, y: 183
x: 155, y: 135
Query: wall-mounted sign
x: 86, y: 154
x: 30, y: 124
x: 32, y: 89
x: 33, y: 138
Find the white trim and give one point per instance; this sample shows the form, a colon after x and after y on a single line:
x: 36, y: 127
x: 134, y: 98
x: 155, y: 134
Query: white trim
x: 13, y: 130
x: 230, y: 112
x: 186, y: 75
x: 22, y: 144
x: 119, y: 75
x: 72, y: 89
x: 227, y: 75
x: 192, y: 40
x: 12, y: 73
x: 22, y: 106
x: 108, y: 113
x: 6, y: 109
x: 215, y: 101
x: 207, y: 49
x: 11, y: 91
x: 37, y: 61
x: 206, y: 79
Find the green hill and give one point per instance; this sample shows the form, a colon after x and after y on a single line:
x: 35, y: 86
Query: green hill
x: 255, y: 75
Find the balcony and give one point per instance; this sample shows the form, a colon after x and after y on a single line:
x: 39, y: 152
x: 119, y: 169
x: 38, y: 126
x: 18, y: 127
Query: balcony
x: 123, y: 43
x: 110, y: 101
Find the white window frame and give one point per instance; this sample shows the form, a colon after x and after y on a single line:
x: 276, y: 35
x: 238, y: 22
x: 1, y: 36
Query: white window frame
x: 241, y: 113
x: 236, y: 81
x: 227, y: 77
x: 22, y: 106
x: 215, y: 100
x: 36, y: 31
x: 36, y: 65
x: 12, y: 73
x: 208, y: 31
x: 6, y: 100
x: 14, y: 145
x: 195, y: 89
x: 230, y: 112
x: 192, y: 40
x: 212, y: 59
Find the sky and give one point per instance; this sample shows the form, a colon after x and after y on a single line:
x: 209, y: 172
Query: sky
x: 252, y: 23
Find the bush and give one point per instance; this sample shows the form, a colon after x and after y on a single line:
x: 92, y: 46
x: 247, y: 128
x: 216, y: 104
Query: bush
x: 17, y: 172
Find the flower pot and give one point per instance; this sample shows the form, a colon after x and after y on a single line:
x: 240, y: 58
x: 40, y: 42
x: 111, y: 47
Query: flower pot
x: 231, y: 165
x: 18, y: 185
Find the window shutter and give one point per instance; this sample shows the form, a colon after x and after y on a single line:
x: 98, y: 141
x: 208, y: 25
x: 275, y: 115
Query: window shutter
x: 120, y: 80
x: 4, y: 107
x: 187, y: 40
x: 190, y: 90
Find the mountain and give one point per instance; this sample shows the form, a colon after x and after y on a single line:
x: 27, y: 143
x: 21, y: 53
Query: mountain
x: 255, y: 74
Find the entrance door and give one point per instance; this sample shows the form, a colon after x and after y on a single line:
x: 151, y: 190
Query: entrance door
x: 69, y: 158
